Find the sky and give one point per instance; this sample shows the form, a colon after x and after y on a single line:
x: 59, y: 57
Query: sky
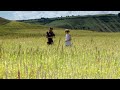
x: 24, y: 15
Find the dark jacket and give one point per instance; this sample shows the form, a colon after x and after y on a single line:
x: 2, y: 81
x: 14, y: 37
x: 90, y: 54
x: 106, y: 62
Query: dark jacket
x: 50, y: 35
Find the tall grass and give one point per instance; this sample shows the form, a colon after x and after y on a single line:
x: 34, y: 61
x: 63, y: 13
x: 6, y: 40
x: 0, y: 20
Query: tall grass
x: 92, y: 55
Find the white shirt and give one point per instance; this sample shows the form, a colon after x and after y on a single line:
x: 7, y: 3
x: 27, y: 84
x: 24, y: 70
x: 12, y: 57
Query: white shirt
x: 68, y: 37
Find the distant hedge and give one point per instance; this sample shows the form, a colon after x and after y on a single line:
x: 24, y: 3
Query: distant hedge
x: 119, y: 14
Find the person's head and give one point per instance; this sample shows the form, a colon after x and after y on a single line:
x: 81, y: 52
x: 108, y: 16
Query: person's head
x: 67, y: 31
x: 50, y: 30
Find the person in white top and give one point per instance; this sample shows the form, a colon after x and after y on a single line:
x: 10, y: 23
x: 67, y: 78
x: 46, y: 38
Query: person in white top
x: 67, y: 38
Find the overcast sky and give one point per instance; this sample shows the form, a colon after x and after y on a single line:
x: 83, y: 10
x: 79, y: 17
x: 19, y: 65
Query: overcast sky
x: 22, y: 15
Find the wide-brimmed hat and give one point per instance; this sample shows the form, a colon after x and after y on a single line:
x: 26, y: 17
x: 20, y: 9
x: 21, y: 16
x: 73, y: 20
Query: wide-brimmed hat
x: 67, y: 30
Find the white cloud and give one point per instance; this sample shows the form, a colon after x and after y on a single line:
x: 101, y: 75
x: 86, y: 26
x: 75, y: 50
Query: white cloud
x: 18, y: 15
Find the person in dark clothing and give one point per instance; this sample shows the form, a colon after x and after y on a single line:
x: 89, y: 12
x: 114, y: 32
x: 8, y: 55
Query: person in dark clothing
x: 50, y: 34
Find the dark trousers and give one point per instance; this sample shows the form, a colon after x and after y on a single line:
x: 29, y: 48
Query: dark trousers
x: 50, y: 41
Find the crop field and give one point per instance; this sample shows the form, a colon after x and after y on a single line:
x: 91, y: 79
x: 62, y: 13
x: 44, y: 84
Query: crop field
x: 24, y: 54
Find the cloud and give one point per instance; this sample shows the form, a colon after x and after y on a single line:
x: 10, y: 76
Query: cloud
x: 20, y: 15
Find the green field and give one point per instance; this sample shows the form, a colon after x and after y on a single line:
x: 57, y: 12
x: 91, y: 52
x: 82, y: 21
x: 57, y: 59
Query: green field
x: 24, y: 54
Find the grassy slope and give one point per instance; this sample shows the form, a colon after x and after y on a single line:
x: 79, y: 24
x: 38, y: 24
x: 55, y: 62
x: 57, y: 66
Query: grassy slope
x: 108, y: 23
x: 15, y: 29
x: 21, y: 25
x: 21, y: 29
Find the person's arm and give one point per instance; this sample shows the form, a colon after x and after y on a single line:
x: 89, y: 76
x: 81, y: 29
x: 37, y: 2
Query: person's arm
x: 53, y: 34
x: 47, y: 35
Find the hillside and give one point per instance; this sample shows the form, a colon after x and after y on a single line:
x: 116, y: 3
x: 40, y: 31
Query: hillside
x: 20, y: 25
x: 3, y: 21
x: 102, y: 23
x: 14, y: 29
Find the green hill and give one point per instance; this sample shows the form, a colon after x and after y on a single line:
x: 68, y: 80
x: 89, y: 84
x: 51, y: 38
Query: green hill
x: 20, y: 25
x: 102, y: 23
x: 16, y: 29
